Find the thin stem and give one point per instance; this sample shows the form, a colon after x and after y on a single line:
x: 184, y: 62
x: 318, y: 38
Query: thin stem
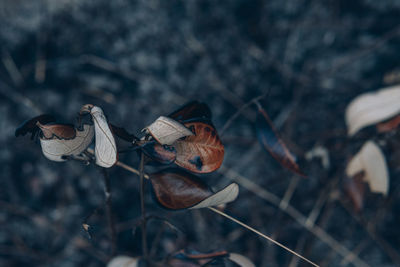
x: 110, y: 220
x: 261, y: 234
x: 239, y: 111
x: 142, y: 175
x: 142, y: 206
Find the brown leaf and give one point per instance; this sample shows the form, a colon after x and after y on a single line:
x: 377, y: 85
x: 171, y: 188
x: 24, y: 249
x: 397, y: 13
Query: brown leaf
x: 161, y: 153
x: 177, y: 189
x: 203, y: 152
x: 388, y: 125
x: 30, y: 126
x: 192, y: 111
x: 60, y: 131
x: 270, y: 140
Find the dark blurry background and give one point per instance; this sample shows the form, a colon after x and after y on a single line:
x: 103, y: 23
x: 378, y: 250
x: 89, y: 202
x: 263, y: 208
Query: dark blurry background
x: 142, y: 59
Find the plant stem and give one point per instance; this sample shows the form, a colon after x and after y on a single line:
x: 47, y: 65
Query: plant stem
x: 110, y: 220
x: 261, y: 234
x: 142, y: 206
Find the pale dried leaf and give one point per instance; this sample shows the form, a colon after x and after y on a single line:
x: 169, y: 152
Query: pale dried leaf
x: 228, y: 194
x: 55, y: 148
x: 166, y: 130
x: 123, y: 261
x: 371, y: 160
x: 241, y: 260
x: 105, y: 148
x: 370, y: 108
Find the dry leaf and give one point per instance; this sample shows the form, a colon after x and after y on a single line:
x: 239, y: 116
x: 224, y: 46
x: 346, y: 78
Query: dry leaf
x: 161, y: 153
x: 370, y: 108
x: 241, y: 260
x: 123, y: 261
x: 105, y: 147
x: 202, y: 152
x: 177, y: 189
x: 166, y: 130
x: 226, y: 195
x: 389, y: 125
x: 371, y: 161
x: 64, y: 140
x: 270, y: 140
x: 30, y: 126
x: 192, y: 111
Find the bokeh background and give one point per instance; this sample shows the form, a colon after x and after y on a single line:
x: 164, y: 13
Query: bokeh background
x: 142, y: 59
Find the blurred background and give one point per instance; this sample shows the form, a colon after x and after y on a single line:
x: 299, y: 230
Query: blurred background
x: 142, y: 59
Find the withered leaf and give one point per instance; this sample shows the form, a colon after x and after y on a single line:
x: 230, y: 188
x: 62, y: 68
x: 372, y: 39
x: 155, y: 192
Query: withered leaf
x: 271, y: 142
x: 122, y: 133
x: 371, y: 160
x: 241, y: 260
x: 192, y: 111
x: 177, y: 189
x: 58, y: 141
x: 202, y: 152
x: 161, y: 153
x: 30, y: 126
x: 371, y: 108
x: 389, y: 125
x: 124, y: 261
x: 60, y: 131
x: 166, y: 130
x: 105, y: 147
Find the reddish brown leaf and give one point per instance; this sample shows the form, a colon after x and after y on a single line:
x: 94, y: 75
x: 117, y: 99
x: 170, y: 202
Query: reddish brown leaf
x: 389, y: 125
x: 202, y: 152
x: 270, y: 140
x: 354, y: 187
x: 30, y: 126
x: 60, y: 131
x: 192, y: 111
x: 162, y: 154
x: 176, y: 189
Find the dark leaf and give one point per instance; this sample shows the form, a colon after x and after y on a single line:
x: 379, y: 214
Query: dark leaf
x: 192, y: 254
x: 60, y: 131
x: 30, y: 126
x: 161, y: 153
x: 270, y: 140
x: 202, y: 152
x: 122, y: 133
x: 192, y: 111
x: 177, y: 189
x: 389, y: 125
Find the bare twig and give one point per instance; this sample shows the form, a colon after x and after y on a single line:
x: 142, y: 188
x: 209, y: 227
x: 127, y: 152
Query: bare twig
x: 110, y: 220
x: 143, y: 207
x: 292, y: 212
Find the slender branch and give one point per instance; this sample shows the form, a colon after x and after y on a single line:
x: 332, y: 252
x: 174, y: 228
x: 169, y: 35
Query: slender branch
x: 239, y: 111
x: 110, y: 220
x: 143, y: 207
x: 261, y: 234
x: 142, y: 175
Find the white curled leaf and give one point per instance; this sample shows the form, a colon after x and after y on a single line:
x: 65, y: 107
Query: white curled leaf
x: 105, y: 147
x: 371, y: 108
x: 123, y: 261
x: 64, y: 140
x: 226, y: 195
x: 166, y: 130
x: 371, y: 161
x: 241, y: 260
